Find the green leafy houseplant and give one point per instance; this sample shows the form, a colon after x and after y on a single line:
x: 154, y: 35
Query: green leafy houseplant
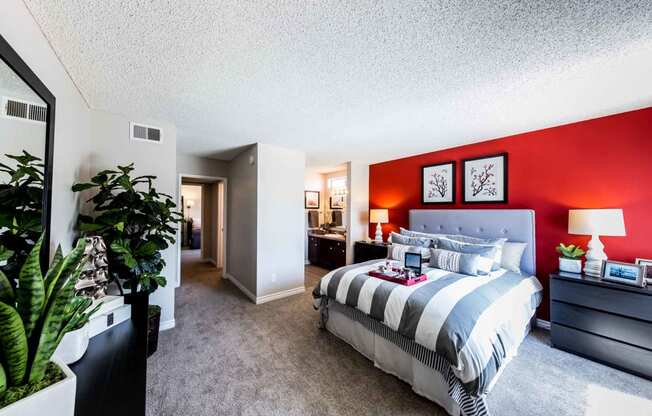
x: 135, y: 221
x: 35, y: 317
x: 21, y: 209
x: 570, y: 251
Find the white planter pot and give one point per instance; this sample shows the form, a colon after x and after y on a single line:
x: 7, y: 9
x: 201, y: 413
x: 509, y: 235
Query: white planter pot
x: 570, y: 265
x: 73, y: 345
x: 55, y: 400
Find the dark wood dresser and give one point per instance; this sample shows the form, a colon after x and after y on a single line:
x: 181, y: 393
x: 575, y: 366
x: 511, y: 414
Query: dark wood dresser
x: 605, y: 322
x: 111, y: 376
x: 326, y: 252
x: 369, y: 250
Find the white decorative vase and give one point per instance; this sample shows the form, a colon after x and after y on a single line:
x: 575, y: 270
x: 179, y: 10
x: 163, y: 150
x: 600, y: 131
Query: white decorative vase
x: 55, y: 400
x: 570, y: 265
x: 73, y: 345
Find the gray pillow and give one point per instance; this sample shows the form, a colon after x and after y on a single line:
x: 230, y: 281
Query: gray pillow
x: 453, y: 261
x: 487, y: 253
x: 411, y: 241
x: 397, y: 252
x: 411, y: 233
x: 512, y: 255
x: 495, y: 242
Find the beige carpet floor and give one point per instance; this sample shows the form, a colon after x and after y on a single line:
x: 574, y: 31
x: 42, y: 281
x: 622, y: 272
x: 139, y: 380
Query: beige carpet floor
x: 227, y: 356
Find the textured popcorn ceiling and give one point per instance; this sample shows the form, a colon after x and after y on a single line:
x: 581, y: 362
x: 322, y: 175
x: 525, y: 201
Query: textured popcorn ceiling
x: 14, y: 87
x: 343, y: 80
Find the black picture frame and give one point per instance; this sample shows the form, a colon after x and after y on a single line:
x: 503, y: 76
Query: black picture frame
x: 330, y: 203
x: 505, y: 172
x: 305, y: 199
x: 11, y: 58
x: 453, y: 181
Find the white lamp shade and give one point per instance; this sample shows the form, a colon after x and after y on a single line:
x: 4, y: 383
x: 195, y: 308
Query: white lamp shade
x: 606, y: 222
x: 378, y: 215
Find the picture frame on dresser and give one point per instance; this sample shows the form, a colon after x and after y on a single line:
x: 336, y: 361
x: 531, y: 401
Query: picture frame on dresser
x: 484, y: 179
x: 648, y: 268
x: 438, y: 183
x: 632, y: 274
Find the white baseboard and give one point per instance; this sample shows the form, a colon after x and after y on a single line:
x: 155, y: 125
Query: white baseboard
x: 240, y: 286
x: 306, y: 262
x: 543, y: 324
x: 280, y: 295
x: 165, y: 325
x: 209, y: 260
x: 266, y: 298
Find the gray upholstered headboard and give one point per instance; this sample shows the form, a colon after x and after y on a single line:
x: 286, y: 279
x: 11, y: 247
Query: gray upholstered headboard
x: 514, y: 224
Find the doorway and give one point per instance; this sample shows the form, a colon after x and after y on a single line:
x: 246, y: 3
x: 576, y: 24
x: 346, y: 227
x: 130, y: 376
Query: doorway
x: 202, y: 234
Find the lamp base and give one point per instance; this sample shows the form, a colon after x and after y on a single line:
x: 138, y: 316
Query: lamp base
x: 594, y: 257
x: 593, y: 268
x: 379, y: 233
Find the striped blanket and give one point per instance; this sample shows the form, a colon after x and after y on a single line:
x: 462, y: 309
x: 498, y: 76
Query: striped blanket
x: 475, y: 322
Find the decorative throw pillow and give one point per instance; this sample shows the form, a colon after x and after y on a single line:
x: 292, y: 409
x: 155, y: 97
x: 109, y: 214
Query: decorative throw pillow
x: 411, y: 241
x: 453, y: 261
x: 397, y: 252
x: 487, y: 253
x: 496, y: 242
x: 411, y: 233
x: 512, y: 255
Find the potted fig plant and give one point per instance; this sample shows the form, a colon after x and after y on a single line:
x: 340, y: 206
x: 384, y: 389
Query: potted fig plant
x: 571, y: 258
x: 33, y: 319
x: 137, y: 224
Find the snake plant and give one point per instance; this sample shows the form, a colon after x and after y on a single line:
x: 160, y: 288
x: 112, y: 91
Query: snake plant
x: 37, y: 314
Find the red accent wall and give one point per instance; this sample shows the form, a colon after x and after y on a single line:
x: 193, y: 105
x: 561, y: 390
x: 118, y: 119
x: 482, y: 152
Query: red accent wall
x: 599, y: 163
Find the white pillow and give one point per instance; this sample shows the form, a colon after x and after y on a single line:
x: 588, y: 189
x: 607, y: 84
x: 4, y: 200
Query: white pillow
x: 512, y: 255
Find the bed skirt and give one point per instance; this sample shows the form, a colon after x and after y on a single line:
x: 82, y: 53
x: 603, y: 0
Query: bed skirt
x: 429, y: 374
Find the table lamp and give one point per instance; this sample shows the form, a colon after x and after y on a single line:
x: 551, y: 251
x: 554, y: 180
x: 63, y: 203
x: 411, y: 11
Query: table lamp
x: 596, y: 222
x: 378, y: 216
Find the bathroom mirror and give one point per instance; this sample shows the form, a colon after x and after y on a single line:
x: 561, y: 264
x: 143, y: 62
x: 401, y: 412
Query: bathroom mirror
x: 26, y: 151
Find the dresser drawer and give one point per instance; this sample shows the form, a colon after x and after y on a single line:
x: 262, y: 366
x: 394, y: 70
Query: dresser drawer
x: 616, y: 301
x: 631, y: 331
x: 623, y: 356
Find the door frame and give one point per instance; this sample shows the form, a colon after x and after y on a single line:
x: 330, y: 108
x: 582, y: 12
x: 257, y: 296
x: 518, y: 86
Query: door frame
x: 208, y: 180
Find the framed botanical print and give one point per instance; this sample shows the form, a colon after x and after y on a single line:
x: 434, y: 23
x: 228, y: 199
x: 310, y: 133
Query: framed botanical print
x: 438, y: 183
x: 484, y: 179
x: 337, y: 202
x: 311, y: 199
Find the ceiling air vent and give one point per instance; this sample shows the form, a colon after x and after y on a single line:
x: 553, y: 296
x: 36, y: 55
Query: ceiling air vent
x: 146, y: 133
x: 24, y: 110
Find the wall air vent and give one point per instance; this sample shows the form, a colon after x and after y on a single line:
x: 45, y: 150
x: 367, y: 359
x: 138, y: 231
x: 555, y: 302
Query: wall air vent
x: 24, y: 110
x: 146, y: 133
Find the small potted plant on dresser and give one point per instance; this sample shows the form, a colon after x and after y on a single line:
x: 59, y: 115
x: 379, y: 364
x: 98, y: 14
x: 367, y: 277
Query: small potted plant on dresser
x: 571, y: 258
x: 34, y: 317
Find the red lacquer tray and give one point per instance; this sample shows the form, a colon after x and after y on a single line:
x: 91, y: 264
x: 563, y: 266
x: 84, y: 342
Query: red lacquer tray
x: 404, y: 282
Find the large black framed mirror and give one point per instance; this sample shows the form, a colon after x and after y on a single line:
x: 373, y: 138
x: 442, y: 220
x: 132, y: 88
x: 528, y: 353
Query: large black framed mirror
x: 26, y: 161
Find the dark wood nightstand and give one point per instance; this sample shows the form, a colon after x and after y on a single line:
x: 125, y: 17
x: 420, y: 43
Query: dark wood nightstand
x: 369, y: 250
x: 605, y: 322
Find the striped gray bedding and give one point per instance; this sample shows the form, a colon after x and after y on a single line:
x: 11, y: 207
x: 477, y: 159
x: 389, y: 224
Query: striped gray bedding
x: 475, y: 322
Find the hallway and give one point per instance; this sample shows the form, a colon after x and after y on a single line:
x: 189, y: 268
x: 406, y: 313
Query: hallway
x: 193, y: 269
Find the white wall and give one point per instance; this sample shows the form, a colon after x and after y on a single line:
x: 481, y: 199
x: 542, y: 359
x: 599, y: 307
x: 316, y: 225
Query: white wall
x: 241, y: 220
x: 357, y: 205
x: 111, y: 146
x: 280, y: 220
x: 201, y: 166
x: 192, y: 193
x: 72, y: 123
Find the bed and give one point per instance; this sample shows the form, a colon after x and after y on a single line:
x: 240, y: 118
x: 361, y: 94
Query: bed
x: 449, y: 337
